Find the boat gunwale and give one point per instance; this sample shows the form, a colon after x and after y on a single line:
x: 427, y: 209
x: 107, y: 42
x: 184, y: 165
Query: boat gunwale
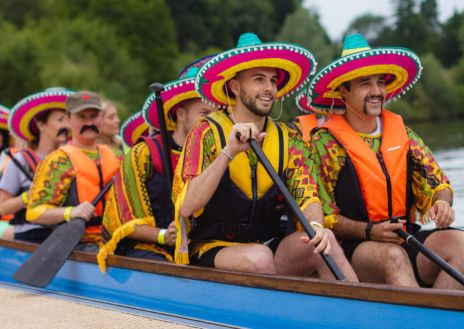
x: 418, y: 297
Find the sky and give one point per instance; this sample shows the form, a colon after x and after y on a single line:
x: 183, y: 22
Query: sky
x: 336, y: 15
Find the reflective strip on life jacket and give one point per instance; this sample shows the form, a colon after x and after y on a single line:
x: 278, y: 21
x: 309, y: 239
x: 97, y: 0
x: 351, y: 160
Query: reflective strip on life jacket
x: 383, y: 177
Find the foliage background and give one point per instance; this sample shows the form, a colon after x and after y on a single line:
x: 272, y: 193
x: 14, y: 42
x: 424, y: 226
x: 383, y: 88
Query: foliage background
x: 119, y: 47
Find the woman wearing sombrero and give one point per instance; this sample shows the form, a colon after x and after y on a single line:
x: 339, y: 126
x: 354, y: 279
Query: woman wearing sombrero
x: 236, y: 207
x: 373, y: 168
x: 138, y: 218
x: 40, y: 121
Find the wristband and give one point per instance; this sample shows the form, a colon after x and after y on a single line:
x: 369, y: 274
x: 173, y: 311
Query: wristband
x: 67, y: 213
x: 25, y: 198
x: 227, y: 154
x: 161, y: 236
x: 314, y: 223
x: 368, y: 230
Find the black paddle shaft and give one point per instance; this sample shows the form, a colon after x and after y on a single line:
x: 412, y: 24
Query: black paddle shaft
x: 50, y: 256
x: 411, y: 240
x: 296, y: 211
x: 157, y: 89
x: 19, y: 165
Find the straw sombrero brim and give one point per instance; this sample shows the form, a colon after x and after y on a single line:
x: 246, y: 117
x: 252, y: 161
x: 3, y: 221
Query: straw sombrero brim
x: 296, y: 63
x: 301, y: 101
x: 134, y: 128
x: 4, y: 113
x: 175, y: 93
x: 21, y: 119
x: 402, y: 64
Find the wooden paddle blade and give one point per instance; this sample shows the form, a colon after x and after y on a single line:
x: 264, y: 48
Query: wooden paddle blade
x: 47, y: 260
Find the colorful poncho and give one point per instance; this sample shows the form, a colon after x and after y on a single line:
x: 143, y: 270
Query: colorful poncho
x: 200, y: 151
x: 128, y: 203
x: 329, y: 157
x: 50, y: 188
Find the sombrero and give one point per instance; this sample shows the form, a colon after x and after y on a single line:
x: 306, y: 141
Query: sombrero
x: 198, y: 64
x: 294, y: 62
x: 401, y: 66
x: 21, y: 120
x: 4, y: 113
x: 134, y: 128
x: 175, y: 93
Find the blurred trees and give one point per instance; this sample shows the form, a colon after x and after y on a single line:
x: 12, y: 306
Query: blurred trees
x: 118, y: 47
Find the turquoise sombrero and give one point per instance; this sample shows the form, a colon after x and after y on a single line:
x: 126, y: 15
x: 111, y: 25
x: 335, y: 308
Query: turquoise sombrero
x: 296, y: 63
x: 175, y: 93
x: 4, y: 113
x: 402, y: 67
x: 134, y: 128
x: 21, y: 120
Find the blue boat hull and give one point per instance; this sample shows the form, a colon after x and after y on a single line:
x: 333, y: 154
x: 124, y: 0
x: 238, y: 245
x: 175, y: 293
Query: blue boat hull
x: 231, y: 305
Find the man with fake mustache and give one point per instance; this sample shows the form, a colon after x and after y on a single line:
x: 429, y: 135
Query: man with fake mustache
x: 41, y: 122
x: 375, y: 171
x: 70, y: 177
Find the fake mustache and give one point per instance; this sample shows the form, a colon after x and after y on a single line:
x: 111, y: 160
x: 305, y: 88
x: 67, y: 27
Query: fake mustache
x: 91, y: 127
x: 62, y: 131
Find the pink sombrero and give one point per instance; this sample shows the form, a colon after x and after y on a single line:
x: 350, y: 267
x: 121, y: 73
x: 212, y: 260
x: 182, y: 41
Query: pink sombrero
x: 21, y: 120
x: 4, y: 113
x: 401, y: 66
x: 175, y: 93
x: 134, y: 128
x: 294, y: 62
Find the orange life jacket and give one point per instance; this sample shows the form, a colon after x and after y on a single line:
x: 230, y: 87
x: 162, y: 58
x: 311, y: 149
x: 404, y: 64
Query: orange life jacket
x: 89, y: 179
x: 307, y: 123
x: 382, y: 177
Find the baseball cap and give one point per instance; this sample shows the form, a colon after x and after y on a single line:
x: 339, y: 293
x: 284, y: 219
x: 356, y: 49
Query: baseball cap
x: 83, y: 100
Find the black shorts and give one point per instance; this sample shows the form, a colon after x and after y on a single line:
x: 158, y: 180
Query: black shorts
x: 207, y: 259
x: 349, y: 247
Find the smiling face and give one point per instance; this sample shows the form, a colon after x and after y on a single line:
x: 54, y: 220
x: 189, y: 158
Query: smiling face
x: 365, y: 95
x: 255, y: 89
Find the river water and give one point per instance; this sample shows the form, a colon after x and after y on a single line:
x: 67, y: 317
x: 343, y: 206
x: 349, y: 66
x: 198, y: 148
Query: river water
x: 446, y: 140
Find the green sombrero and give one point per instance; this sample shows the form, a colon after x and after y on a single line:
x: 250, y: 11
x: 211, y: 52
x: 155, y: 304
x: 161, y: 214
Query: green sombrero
x: 401, y: 66
x: 294, y: 62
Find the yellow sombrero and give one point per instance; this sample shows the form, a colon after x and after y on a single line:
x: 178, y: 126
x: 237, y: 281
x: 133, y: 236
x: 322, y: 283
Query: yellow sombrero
x: 4, y: 113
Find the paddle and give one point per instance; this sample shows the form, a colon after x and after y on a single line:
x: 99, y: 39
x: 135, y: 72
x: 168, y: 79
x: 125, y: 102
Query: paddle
x: 296, y: 211
x: 157, y: 88
x: 48, y: 258
x: 412, y: 241
x: 19, y: 165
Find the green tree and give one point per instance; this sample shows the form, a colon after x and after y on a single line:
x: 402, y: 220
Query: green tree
x: 303, y: 27
x: 449, y: 48
x: 369, y: 25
